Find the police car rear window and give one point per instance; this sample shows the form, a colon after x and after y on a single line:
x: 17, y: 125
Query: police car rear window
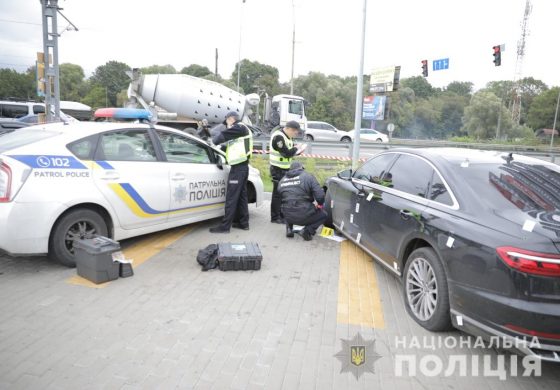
x: 23, y: 137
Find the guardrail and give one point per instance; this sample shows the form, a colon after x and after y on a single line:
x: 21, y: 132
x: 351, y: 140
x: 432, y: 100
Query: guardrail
x: 533, y: 151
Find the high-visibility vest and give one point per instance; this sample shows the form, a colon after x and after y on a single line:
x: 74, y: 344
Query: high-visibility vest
x: 239, y: 150
x: 276, y: 158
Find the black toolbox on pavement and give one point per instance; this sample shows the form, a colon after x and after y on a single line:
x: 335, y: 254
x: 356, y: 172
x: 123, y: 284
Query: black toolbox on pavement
x: 94, y: 259
x: 239, y: 257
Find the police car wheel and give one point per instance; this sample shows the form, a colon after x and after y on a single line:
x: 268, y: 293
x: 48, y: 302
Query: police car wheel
x: 76, y: 225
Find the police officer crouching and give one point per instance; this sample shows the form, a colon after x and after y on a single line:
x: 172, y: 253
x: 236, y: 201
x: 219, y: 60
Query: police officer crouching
x: 299, y: 190
x: 237, y: 141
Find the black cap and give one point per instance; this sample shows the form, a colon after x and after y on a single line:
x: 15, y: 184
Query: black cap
x: 235, y: 114
x: 293, y: 125
x: 296, y: 165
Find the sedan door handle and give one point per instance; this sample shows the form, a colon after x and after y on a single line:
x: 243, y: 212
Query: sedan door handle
x: 110, y: 175
x: 178, y: 176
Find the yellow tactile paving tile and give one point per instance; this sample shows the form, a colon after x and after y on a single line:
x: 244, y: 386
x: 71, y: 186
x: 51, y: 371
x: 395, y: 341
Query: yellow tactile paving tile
x: 140, y: 251
x: 359, y: 302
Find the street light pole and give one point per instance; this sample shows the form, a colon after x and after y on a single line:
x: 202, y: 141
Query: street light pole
x: 359, y: 97
x: 239, y: 53
x: 293, y: 47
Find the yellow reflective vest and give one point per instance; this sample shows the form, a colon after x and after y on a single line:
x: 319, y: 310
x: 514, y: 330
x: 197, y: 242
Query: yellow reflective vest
x: 239, y: 150
x: 276, y: 158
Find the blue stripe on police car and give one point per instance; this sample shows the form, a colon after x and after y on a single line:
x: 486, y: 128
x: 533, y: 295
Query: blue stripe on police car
x: 49, y: 161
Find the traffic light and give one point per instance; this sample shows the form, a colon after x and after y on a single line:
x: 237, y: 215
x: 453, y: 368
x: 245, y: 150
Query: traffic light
x: 497, y: 55
x: 425, y: 68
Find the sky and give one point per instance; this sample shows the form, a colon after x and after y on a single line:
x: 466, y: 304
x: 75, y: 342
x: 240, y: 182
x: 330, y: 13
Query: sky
x: 328, y: 35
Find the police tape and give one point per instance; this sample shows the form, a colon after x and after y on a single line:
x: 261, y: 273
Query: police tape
x: 321, y: 156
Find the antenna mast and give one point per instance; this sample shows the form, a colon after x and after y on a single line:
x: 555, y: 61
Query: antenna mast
x: 516, y: 107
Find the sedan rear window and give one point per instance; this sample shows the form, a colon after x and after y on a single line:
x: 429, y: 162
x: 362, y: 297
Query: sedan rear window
x: 516, y: 185
x: 23, y: 137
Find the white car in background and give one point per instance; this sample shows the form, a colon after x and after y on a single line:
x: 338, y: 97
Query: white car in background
x: 64, y: 182
x: 323, y: 131
x: 369, y: 135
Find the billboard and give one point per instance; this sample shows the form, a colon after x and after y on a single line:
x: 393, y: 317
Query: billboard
x: 382, y: 79
x: 374, y: 108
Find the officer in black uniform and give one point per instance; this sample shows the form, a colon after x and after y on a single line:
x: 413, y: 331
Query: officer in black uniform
x: 282, y: 150
x: 299, y: 191
x: 237, y: 142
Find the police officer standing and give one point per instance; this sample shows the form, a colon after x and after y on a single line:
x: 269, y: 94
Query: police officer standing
x: 299, y: 191
x: 282, y: 150
x: 237, y: 141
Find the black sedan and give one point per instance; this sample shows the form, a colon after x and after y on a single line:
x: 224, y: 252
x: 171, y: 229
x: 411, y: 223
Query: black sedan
x: 473, y: 235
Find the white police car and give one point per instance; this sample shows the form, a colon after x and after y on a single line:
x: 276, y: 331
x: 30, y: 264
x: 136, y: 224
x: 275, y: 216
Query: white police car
x: 63, y: 182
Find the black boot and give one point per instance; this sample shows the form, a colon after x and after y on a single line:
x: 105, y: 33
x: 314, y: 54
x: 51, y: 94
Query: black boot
x: 307, y: 236
x: 289, y: 230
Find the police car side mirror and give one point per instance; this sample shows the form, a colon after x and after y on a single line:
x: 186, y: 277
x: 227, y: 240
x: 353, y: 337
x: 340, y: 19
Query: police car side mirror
x: 345, y: 174
x: 220, y: 161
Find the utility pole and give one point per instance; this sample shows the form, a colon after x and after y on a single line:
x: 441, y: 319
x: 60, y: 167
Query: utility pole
x: 359, y: 97
x: 554, y: 125
x: 239, y: 53
x: 216, y: 65
x: 50, y: 11
x: 50, y: 46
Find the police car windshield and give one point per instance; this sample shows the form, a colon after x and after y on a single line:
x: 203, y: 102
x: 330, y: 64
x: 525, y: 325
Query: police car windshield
x: 23, y: 137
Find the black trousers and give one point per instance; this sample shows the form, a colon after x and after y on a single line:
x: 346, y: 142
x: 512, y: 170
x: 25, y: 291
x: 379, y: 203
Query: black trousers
x: 237, y: 202
x: 310, y: 223
x: 276, y: 174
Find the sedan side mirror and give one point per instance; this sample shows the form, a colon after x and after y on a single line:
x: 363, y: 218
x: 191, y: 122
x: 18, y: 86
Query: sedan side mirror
x: 345, y: 174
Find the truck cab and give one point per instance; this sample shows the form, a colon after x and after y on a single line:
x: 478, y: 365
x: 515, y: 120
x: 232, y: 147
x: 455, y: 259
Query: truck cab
x: 281, y: 109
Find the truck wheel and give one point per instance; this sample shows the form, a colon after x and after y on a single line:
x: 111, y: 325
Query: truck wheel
x: 426, y: 295
x: 346, y: 139
x: 76, y: 225
x: 308, y: 137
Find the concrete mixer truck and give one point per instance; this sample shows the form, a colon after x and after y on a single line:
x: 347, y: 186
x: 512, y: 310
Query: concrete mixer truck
x: 182, y: 101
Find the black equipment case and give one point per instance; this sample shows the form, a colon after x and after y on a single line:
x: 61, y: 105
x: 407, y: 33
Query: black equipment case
x: 239, y: 257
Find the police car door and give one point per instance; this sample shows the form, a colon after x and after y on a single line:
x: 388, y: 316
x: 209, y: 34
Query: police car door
x: 131, y: 178
x: 198, y: 184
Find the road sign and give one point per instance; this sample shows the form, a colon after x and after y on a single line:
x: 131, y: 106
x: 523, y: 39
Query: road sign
x: 440, y: 64
x: 390, y: 127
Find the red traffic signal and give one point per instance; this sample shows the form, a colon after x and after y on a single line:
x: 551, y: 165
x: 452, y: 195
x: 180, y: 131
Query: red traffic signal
x: 425, y: 68
x: 497, y: 55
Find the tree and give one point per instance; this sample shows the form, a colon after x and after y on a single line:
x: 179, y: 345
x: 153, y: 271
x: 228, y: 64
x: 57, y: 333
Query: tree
x: 72, y: 83
x: 197, y: 70
x: 96, y: 97
x: 255, y: 75
x: 421, y: 87
x: 111, y: 76
x: 542, y: 110
x: 481, y: 116
x: 17, y: 85
x: 461, y: 88
x: 159, y: 69
x: 452, y: 110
